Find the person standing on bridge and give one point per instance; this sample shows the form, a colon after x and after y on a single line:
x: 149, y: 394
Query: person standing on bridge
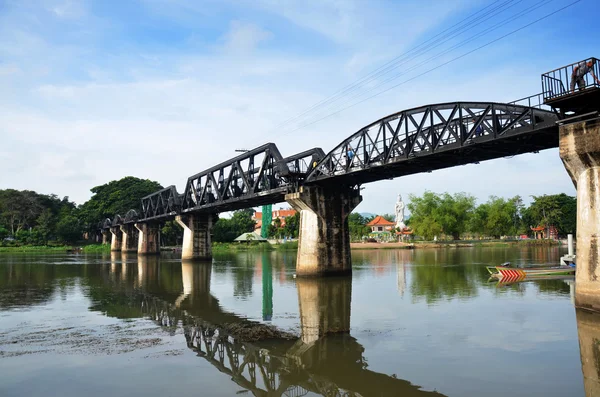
x: 579, y: 73
x: 349, y: 155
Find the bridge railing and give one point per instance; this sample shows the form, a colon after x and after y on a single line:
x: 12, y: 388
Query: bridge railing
x: 562, y: 82
x: 533, y: 101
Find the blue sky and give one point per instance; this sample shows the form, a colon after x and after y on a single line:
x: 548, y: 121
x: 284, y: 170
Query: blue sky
x: 92, y: 91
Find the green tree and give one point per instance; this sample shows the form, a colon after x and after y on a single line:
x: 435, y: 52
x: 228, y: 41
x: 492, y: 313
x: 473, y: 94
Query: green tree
x: 454, y: 213
x: 559, y: 210
x: 433, y: 214
x: 226, y: 230
x: 276, y: 230
x: 243, y: 221
x: 389, y: 217
x: 356, y: 225
x: 116, y: 198
x: 422, y: 215
x: 292, y: 226
x: 223, y: 231
x: 171, y: 233
x: 478, y: 220
x: 502, y: 216
x: 19, y: 209
x: 45, y: 224
x: 69, y: 229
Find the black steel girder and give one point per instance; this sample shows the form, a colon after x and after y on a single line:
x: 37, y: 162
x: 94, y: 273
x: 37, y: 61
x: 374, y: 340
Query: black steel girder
x: 252, y: 178
x: 434, y: 137
x: 164, y: 204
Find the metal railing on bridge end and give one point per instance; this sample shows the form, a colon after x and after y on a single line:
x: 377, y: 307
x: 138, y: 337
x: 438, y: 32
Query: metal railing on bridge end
x: 533, y: 101
x: 563, y: 82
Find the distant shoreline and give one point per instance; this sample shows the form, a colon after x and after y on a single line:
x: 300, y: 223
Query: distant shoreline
x: 380, y: 246
x: 233, y: 247
x: 453, y: 244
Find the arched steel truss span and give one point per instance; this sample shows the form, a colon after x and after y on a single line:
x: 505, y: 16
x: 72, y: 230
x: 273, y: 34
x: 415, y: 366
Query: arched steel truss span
x: 437, y: 136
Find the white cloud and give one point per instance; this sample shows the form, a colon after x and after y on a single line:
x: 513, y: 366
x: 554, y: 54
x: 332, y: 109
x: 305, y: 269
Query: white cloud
x: 244, y: 37
x: 69, y: 9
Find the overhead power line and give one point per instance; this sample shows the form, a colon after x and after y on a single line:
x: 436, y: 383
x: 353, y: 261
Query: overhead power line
x: 498, y: 25
x: 441, y: 65
x: 370, y: 76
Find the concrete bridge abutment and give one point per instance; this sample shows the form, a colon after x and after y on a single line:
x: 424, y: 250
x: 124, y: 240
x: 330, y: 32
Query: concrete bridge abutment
x: 324, y: 239
x: 580, y: 153
x: 130, y: 238
x: 116, y: 241
x: 148, y: 238
x: 197, y: 230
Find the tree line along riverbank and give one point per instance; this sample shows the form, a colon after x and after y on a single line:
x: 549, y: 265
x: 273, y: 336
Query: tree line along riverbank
x: 28, y: 218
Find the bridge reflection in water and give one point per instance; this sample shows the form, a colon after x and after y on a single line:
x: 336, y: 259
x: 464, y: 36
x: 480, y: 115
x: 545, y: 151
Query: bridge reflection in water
x: 324, y: 359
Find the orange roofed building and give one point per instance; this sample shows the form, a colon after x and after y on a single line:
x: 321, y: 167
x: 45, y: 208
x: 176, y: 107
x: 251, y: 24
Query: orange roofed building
x: 543, y: 232
x: 277, y: 214
x: 380, y: 224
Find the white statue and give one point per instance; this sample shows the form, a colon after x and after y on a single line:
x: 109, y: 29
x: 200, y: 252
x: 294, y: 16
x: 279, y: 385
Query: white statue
x: 400, y: 213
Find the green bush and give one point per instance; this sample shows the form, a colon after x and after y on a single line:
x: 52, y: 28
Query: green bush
x: 253, y: 246
x: 96, y: 248
x: 288, y: 245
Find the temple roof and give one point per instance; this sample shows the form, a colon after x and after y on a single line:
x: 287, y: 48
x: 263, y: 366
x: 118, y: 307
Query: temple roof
x: 380, y: 221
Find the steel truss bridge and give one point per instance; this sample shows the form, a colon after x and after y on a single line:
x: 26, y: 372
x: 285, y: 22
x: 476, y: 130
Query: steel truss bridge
x: 421, y: 139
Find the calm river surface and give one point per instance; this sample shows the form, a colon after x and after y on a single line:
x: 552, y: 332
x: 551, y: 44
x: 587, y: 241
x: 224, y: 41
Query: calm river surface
x: 407, y: 323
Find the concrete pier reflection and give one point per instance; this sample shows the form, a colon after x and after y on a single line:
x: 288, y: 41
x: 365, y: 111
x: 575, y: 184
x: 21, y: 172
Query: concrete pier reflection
x: 147, y: 270
x: 588, y: 329
x: 196, y: 282
x: 324, y: 306
x: 115, y: 258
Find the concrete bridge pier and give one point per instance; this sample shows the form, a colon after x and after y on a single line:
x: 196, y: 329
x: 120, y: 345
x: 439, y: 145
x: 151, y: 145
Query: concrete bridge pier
x: 580, y: 153
x: 324, y: 240
x: 197, y: 229
x: 106, y: 236
x: 324, y: 306
x: 148, y: 238
x: 130, y: 238
x: 116, y: 241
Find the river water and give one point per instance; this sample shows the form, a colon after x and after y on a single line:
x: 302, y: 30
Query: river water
x: 408, y: 323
